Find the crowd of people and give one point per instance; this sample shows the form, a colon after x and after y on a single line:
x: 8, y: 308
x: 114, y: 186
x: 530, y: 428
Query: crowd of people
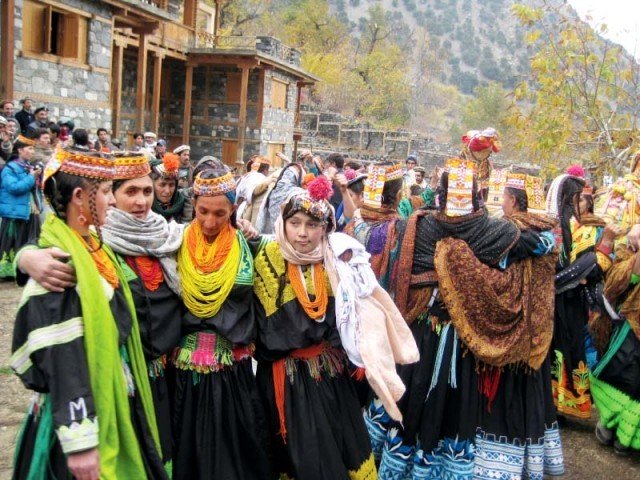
x: 324, y: 319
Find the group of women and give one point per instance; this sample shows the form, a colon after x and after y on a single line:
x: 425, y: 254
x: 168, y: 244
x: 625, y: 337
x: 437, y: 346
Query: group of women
x: 143, y: 367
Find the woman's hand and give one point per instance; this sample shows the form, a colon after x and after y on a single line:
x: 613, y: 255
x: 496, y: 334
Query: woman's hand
x: 47, y: 267
x: 634, y: 237
x: 247, y: 229
x: 610, y: 233
x: 341, y: 182
x: 85, y: 465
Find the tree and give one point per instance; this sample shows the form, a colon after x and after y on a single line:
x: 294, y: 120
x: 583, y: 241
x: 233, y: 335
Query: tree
x: 582, y: 101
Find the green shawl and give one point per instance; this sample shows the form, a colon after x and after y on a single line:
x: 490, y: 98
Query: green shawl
x: 120, y: 455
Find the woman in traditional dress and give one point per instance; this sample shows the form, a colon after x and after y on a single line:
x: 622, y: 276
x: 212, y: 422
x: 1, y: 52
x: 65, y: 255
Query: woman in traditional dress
x: 444, y: 398
x: 85, y: 359
x: 585, y: 248
x: 146, y: 245
x: 518, y: 435
x: 375, y: 223
x: 218, y: 423
x: 169, y: 201
x: 315, y: 418
x: 615, y: 380
x: 19, y: 204
x: 478, y: 146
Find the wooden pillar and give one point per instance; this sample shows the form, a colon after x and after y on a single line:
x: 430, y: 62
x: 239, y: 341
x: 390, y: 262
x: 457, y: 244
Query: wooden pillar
x: 296, y: 120
x: 157, y: 85
x: 7, y: 19
x: 216, y: 18
x: 242, y: 120
x: 186, y: 117
x: 141, y: 89
x: 116, y: 90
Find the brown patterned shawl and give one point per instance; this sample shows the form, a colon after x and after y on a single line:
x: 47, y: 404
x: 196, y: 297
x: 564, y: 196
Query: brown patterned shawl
x: 621, y: 294
x: 503, y: 317
x: 489, y: 238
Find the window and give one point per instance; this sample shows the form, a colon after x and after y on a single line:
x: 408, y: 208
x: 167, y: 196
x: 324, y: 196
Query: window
x: 54, y: 31
x: 278, y: 94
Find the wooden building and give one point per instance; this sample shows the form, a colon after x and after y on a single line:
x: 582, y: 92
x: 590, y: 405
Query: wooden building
x: 158, y: 65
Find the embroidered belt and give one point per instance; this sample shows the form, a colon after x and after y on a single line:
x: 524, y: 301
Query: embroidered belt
x: 206, y: 352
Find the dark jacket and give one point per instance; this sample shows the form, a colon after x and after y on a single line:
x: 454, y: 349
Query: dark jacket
x: 24, y: 118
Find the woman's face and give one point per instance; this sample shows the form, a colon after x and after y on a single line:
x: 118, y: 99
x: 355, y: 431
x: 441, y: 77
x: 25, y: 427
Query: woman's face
x: 357, y: 198
x: 104, y: 200
x: 303, y: 232
x: 508, y: 204
x: 164, y: 189
x: 26, y: 153
x: 213, y: 214
x: 135, y: 197
x: 583, y: 205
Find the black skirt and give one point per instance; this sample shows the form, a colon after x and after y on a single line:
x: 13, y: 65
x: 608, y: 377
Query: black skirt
x: 161, y: 381
x: 14, y: 234
x: 518, y: 434
x: 326, y: 435
x: 56, y: 468
x: 218, y: 425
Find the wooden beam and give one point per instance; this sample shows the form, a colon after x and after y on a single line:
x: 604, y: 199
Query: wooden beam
x: 216, y: 20
x: 141, y: 89
x: 116, y: 89
x: 157, y: 85
x: 7, y: 19
x: 186, y: 123
x: 242, y: 119
x: 260, y: 108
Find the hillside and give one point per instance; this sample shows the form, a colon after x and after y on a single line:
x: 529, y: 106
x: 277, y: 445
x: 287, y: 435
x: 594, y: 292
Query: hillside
x: 481, y: 41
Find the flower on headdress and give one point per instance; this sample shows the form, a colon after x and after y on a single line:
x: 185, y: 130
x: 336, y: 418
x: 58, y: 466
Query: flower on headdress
x: 308, y: 178
x: 477, y: 140
x: 576, y: 170
x: 320, y: 189
x: 171, y: 162
x: 350, y: 174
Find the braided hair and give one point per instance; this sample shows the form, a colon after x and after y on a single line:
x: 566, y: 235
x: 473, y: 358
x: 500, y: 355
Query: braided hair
x: 522, y: 202
x: 568, y: 200
x: 59, y: 190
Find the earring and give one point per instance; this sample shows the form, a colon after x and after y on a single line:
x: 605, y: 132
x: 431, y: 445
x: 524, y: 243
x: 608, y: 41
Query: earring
x: 81, y: 218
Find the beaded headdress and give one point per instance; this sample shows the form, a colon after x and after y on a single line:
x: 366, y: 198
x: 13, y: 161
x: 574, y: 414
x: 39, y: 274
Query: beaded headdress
x: 259, y: 160
x: 460, y: 187
x: 531, y: 185
x: 213, y: 187
x: 168, y: 167
x: 131, y: 165
x: 378, y: 175
x: 96, y: 166
x: 314, y: 201
x: 476, y: 140
x: 23, y: 141
x: 497, y: 182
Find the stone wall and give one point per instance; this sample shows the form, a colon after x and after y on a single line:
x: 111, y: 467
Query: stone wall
x: 81, y: 94
x: 278, y: 124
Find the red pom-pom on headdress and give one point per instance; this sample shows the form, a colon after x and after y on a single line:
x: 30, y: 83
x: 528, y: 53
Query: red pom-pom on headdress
x: 350, y: 174
x: 171, y: 162
x: 576, y: 170
x: 320, y: 189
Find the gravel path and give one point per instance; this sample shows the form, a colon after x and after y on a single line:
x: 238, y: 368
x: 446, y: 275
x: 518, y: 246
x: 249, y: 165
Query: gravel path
x: 584, y: 457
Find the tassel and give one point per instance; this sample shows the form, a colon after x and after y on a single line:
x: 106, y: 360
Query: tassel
x: 440, y: 354
x: 278, y: 370
x: 359, y: 374
x: 488, y: 384
x: 453, y: 382
x: 203, y: 355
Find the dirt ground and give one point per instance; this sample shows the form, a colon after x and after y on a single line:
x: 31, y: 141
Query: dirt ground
x: 584, y: 457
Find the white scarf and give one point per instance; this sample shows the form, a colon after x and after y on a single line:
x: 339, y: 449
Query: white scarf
x: 153, y: 237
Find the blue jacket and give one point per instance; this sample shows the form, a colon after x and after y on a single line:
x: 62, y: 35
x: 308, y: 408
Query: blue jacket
x: 15, y: 191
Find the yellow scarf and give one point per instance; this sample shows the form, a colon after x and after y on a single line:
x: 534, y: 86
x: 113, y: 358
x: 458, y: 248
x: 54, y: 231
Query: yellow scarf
x: 204, y: 293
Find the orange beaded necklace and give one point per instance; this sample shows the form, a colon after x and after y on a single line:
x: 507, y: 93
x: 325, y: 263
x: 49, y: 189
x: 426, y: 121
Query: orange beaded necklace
x: 105, y: 266
x: 148, y: 269
x: 317, y: 308
x: 209, y: 257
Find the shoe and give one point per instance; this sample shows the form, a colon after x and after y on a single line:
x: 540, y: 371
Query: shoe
x: 620, y: 449
x: 603, y: 434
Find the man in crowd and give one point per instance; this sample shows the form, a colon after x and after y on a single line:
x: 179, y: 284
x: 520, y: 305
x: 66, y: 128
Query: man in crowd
x: 41, y: 120
x: 42, y: 150
x: 150, y: 142
x: 6, y: 109
x: 420, y: 173
x: 185, y: 172
x: 6, y: 146
x: 161, y: 148
x: 409, y: 174
x: 138, y: 142
x: 24, y: 116
x: 103, y: 143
